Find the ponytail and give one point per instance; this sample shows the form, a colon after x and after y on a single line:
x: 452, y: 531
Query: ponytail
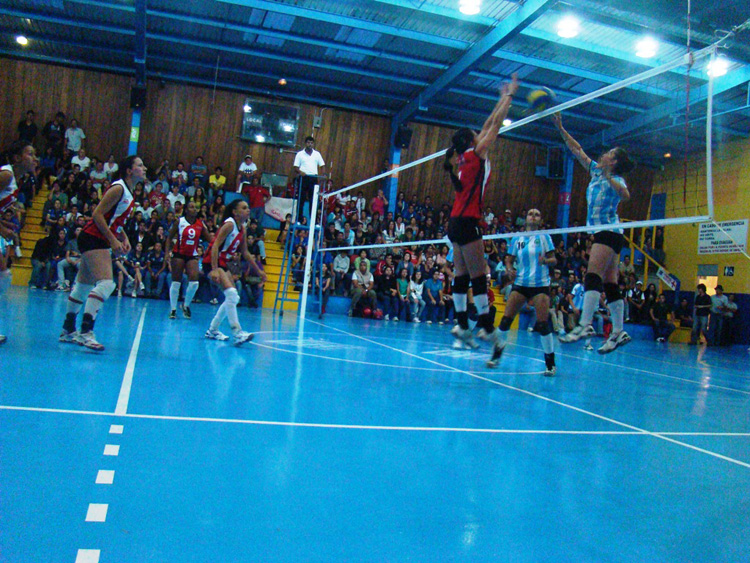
x: 461, y: 141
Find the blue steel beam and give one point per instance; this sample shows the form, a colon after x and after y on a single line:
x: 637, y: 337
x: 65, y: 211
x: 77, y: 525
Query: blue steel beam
x: 504, y: 32
x: 451, y: 13
x: 737, y: 77
x: 85, y: 65
x: 356, y: 23
x: 277, y: 34
x: 140, y: 42
x: 477, y: 126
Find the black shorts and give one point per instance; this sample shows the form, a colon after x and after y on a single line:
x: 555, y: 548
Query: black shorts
x: 613, y: 240
x: 88, y: 242
x: 463, y: 230
x: 207, y: 267
x: 184, y: 257
x: 530, y: 292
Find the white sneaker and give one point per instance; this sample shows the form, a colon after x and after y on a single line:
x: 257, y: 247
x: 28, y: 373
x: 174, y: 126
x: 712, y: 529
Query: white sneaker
x: 497, y: 351
x: 464, y: 337
x: 482, y: 335
x: 134, y: 295
x: 214, y: 301
x: 588, y: 347
x: 561, y: 332
x: 428, y: 321
x: 215, y: 335
x: 395, y: 319
x: 416, y: 320
x: 19, y: 254
x: 615, y: 339
x: 240, y: 337
x: 88, y: 340
x: 387, y: 317
x: 577, y: 333
x: 69, y: 337
x: 530, y: 329
x: 661, y: 339
x: 3, y: 339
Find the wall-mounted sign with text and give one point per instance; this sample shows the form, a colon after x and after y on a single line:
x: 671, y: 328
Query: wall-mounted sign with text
x: 712, y: 240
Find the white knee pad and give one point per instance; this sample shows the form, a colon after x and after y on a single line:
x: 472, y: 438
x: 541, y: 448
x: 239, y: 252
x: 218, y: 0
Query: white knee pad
x: 103, y: 289
x: 231, y: 295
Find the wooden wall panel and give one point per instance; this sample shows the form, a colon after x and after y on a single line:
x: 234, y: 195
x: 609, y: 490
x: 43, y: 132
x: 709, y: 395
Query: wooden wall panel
x: 100, y: 102
x: 181, y: 122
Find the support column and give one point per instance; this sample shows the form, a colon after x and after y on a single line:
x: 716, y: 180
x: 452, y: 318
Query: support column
x: 563, y: 200
x: 135, y: 131
x: 391, y: 183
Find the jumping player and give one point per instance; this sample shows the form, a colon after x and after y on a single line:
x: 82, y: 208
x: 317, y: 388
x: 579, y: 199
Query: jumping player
x: 22, y: 160
x: 532, y: 257
x: 230, y: 239
x: 188, y: 231
x: 104, y: 233
x: 605, y: 191
x: 469, y: 169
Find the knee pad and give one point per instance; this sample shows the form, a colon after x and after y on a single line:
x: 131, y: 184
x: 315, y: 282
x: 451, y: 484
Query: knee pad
x: 612, y: 291
x: 231, y: 295
x: 479, y: 285
x: 593, y: 282
x: 80, y: 292
x: 102, y: 290
x: 542, y: 327
x: 461, y: 284
x: 505, y: 323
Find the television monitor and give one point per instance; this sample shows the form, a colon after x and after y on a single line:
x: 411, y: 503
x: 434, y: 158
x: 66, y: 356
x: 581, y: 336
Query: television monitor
x: 269, y: 123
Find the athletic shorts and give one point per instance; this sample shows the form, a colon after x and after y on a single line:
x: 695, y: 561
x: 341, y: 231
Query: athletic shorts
x: 463, y: 230
x: 88, y: 242
x: 207, y: 267
x: 613, y: 240
x: 530, y: 292
x: 184, y: 257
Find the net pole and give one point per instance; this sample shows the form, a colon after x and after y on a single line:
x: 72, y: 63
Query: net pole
x: 308, y: 257
x: 709, y: 136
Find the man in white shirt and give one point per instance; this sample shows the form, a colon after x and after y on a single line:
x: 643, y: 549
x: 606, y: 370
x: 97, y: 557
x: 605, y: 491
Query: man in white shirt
x: 246, y: 171
x: 174, y: 196
x: 81, y: 160
x: 99, y: 175
x: 363, y: 285
x: 180, y: 173
x: 308, y: 164
x: 74, y: 136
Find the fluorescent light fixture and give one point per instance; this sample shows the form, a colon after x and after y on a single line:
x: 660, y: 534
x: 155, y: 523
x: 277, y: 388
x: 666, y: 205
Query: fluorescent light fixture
x: 21, y: 40
x: 667, y: 155
x: 282, y: 81
x: 260, y: 138
x: 568, y: 27
x: 246, y: 108
x: 717, y: 67
x: 469, y: 7
x: 506, y: 122
x: 646, y: 48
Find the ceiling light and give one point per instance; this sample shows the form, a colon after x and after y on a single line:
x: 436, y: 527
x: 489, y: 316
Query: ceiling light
x: 717, y: 67
x: 568, y: 27
x: 667, y: 155
x: 469, y: 7
x: 506, y: 122
x: 260, y: 138
x: 646, y: 48
x: 246, y: 108
x: 21, y: 40
x: 282, y: 81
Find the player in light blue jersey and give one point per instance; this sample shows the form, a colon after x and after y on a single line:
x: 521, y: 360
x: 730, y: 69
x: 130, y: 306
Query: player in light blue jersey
x: 527, y: 265
x: 605, y: 191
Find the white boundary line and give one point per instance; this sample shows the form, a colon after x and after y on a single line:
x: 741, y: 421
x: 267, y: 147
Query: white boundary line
x: 547, y: 399
x: 370, y: 427
x: 127, y: 379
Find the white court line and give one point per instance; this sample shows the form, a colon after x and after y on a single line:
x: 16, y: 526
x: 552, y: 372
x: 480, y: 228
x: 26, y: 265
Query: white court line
x: 249, y: 422
x: 115, y: 429
x: 111, y: 449
x: 105, y: 477
x: 88, y: 556
x: 547, y: 399
x: 127, y: 379
x: 97, y: 513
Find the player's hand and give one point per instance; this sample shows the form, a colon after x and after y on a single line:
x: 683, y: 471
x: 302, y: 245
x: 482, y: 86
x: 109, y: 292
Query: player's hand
x: 512, y: 275
x: 263, y: 276
x: 215, y: 275
x: 126, y: 245
x: 511, y: 88
x: 557, y: 119
x: 118, y: 248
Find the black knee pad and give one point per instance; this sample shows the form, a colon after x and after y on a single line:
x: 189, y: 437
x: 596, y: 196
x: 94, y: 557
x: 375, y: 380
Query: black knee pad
x: 505, y: 323
x: 479, y: 285
x: 461, y: 284
x: 593, y: 282
x: 542, y: 327
x: 612, y: 291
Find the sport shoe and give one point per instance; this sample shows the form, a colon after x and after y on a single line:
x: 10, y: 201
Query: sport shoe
x: 464, y: 337
x: 588, y: 347
x: 240, y: 337
x: 3, y: 339
x: 482, y: 335
x: 549, y: 362
x: 395, y: 319
x: 172, y: 315
x: 416, y: 320
x: 215, y: 335
x: 186, y: 312
x: 387, y: 317
x: 428, y: 321
x: 661, y: 339
x: 69, y: 337
x: 88, y: 340
x: 214, y: 301
x: 615, y: 339
x: 577, y: 333
x: 497, y: 351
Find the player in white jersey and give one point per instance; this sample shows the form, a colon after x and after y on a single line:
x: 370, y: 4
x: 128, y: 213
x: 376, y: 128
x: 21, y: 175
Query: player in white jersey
x: 22, y: 160
x: 605, y: 191
x: 102, y: 235
x: 527, y: 264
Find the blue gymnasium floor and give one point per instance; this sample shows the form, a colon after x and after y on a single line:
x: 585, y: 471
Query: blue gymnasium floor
x: 361, y: 441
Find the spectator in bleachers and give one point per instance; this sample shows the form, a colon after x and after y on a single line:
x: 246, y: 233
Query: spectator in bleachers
x: 74, y: 137
x: 661, y: 319
x: 58, y: 252
x: 199, y: 171
x: 433, y: 296
x: 68, y: 268
x: 719, y: 307
x: 54, y: 133
x: 175, y: 196
x: 387, y: 292
x: 683, y: 314
x: 363, y: 284
x: 156, y: 270
x: 216, y: 183
x: 702, y: 310
x: 730, y: 322
x: 341, y: 265
x: 180, y: 175
x: 636, y: 303
x: 246, y: 171
x: 27, y: 129
x: 40, y: 263
x: 259, y: 234
x: 81, y: 160
x: 110, y: 167
x: 416, y: 298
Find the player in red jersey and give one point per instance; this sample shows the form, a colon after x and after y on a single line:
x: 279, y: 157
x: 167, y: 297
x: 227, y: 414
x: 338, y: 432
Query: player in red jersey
x: 469, y: 170
x: 22, y: 160
x: 229, y: 240
x: 104, y: 233
x: 188, y: 231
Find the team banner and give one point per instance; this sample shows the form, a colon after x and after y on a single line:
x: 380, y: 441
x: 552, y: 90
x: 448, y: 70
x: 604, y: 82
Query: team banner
x: 668, y: 279
x: 278, y: 207
x: 712, y: 240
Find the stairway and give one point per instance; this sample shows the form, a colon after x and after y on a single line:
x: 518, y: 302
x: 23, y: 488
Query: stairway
x: 274, y: 258
x: 31, y: 232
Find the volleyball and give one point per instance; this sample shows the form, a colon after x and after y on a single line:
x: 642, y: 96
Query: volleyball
x: 540, y: 100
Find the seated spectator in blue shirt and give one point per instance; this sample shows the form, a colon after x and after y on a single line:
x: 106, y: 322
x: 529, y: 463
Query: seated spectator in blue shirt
x: 156, y: 269
x: 433, y: 296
